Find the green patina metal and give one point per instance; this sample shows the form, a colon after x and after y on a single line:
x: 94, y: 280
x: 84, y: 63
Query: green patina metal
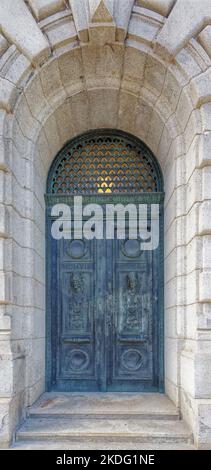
x: 104, y: 297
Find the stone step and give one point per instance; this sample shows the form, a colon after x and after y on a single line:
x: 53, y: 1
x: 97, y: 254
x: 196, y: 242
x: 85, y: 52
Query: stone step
x: 92, y: 444
x: 101, y: 431
x: 102, y: 405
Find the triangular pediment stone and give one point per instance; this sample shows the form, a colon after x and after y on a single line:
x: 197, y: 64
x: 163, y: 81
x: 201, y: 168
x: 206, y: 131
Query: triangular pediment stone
x: 99, y: 12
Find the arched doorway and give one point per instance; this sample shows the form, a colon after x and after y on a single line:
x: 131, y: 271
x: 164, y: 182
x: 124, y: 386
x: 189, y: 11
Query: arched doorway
x: 104, y: 291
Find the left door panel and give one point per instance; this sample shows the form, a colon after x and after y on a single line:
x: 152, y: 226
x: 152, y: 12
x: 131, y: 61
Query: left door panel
x: 77, y: 315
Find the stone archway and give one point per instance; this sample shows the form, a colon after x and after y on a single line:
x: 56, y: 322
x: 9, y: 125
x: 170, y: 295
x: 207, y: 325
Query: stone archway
x: 118, y: 76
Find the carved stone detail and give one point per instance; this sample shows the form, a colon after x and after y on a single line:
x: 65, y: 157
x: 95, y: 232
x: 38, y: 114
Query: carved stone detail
x: 101, y: 21
x: 101, y: 11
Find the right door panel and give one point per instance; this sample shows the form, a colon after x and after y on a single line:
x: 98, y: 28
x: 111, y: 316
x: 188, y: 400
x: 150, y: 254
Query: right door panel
x: 132, y: 317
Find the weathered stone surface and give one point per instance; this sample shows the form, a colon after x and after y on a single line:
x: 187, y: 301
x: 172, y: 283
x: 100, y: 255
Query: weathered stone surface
x: 204, y: 218
x: 160, y: 6
x: 154, y: 75
x: 20, y: 28
x: 133, y: 418
x: 106, y: 404
x: 50, y: 77
x: 205, y: 149
x: 112, y: 444
x: 44, y: 8
x: 35, y: 97
x: 3, y: 44
x: 71, y: 70
x: 203, y: 438
x: 205, y: 39
x: 122, y: 14
x: 201, y: 88
x: 19, y: 71
x: 5, y: 437
x: 103, y: 111
x: 102, y: 34
x: 81, y: 18
x: 8, y: 94
x: 95, y: 19
x: 133, y: 69
x: 65, y: 121
x: 101, y: 11
x: 204, y: 287
x: 160, y: 432
x: 184, y: 22
x: 101, y: 65
x: 142, y: 30
x: 61, y: 34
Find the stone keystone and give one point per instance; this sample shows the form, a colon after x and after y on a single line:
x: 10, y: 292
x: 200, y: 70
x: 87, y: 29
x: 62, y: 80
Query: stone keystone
x: 101, y: 11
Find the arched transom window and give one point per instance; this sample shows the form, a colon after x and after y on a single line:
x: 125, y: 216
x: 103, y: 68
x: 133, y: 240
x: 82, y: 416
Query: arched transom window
x: 104, y: 162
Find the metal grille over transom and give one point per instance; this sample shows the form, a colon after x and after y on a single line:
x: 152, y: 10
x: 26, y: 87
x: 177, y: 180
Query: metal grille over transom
x: 104, y: 162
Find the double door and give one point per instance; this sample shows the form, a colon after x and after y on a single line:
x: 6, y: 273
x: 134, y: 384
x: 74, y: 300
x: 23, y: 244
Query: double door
x: 104, y: 303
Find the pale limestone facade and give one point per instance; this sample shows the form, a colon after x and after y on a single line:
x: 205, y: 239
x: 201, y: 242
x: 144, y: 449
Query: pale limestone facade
x: 140, y: 66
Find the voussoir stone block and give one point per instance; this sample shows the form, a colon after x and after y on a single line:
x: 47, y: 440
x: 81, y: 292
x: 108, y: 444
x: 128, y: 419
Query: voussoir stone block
x: 201, y: 88
x: 205, y: 39
x: 61, y: 34
x: 3, y: 162
x: 3, y: 44
x: 20, y: 28
x: 206, y: 250
x: 122, y: 14
x: 65, y: 121
x: 154, y: 75
x: 206, y: 117
x: 185, y: 21
x: 81, y: 18
x: 50, y: 77
x: 35, y: 97
x: 44, y: 8
x: 205, y: 149
x: 204, y: 286
x: 5, y: 296
x: 18, y: 71
x: 8, y: 94
x: 144, y: 31
x: 163, y: 7
x: 102, y: 34
x: 205, y: 218
x: 71, y: 70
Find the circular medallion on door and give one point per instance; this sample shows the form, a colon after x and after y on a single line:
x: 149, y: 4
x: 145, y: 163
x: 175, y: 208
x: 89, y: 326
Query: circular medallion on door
x: 131, y: 248
x: 77, y: 360
x: 132, y: 360
x: 76, y: 249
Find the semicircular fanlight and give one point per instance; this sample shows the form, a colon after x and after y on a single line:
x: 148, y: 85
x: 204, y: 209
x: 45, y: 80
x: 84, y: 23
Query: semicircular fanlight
x: 104, y: 162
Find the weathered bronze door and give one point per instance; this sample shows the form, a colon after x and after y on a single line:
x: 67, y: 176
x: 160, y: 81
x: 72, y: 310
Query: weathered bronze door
x: 104, y: 297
